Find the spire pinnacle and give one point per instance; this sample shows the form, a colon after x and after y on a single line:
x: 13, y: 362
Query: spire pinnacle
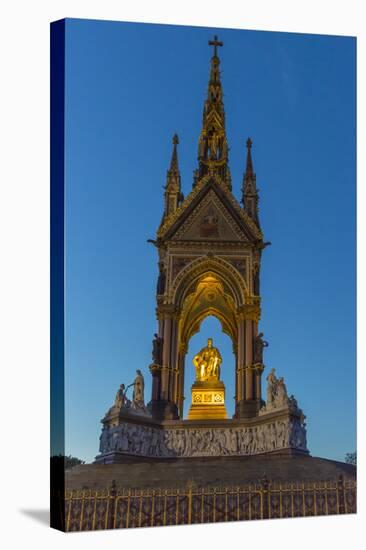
x: 173, y: 194
x: 212, y: 146
x: 174, y: 160
x: 249, y: 189
x: 249, y: 167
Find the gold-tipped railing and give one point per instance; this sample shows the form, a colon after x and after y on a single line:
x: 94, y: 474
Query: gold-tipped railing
x: 126, y: 508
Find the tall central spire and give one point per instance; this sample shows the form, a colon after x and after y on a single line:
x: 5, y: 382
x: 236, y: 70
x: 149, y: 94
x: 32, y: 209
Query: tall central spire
x: 212, y: 145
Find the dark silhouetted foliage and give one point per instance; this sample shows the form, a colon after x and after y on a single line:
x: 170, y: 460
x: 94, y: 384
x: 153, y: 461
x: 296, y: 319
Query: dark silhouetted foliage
x: 351, y: 458
x: 65, y: 462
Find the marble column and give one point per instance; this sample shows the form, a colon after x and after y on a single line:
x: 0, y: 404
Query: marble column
x: 248, y: 359
x: 258, y: 385
x: 156, y: 370
x: 156, y: 383
x: 180, y: 384
x: 173, y: 362
x: 166, y: 358
x: 240, y: 382
x: 164, y: 406
x: 248, y: 404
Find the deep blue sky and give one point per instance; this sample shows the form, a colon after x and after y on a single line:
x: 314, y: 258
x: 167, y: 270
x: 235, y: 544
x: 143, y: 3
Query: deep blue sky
x: 129, y: 88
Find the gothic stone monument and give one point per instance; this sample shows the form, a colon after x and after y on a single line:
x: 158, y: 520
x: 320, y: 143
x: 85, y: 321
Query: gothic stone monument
x: 209, y: 248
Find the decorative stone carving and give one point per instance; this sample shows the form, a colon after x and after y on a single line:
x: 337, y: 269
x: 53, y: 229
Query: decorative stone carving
x: 141, y: 440
x: 240, y: 265
x: 277, y: 398
x: 138, y: 400
x: 104, y: 439
x: 281, y: 397
x: 127, y: 406
x: 277, y: 393
x: 178, y: 263
x: 259, y: 345
x: 202, y: 266
x: 121, y: 397
x: 157, y: 349
x: 169, y: 221
x: 271, y: 388
x: 121, y: 401
x: 206, y: 221
x: 160, y: 287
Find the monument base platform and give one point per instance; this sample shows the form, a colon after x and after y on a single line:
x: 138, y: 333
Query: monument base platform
x: 126, y: 433
x: 208, y: 471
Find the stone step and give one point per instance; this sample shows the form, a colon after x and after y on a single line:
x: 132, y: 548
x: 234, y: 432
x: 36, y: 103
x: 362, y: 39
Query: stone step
x: 207, y: 471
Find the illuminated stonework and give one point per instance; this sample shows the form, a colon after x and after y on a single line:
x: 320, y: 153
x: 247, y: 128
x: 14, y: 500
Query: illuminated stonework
x: 210, y: 249
x: 208, y: 391
x: 208, y: 401
x: 209, y: 262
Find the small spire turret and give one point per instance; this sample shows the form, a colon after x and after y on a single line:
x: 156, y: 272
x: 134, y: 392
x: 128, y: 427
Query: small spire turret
x: 173, y: 194
x: 249, y: 189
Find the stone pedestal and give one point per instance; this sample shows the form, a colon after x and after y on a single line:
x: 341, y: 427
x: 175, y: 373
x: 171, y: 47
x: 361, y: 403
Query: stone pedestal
x: 277, y: 427
x: 127, y: 435
x: 164, y: 410
x: 248, y: 408
x: 208, y: 401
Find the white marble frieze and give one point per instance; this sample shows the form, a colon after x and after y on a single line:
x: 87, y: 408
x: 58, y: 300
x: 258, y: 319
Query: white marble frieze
x: 142, y: 440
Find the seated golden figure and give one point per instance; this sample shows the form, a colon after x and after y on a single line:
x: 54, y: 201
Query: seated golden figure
x: 207, y: 363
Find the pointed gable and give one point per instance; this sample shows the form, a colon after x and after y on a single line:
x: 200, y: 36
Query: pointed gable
x: 210, y: 213
x: 209, y: 221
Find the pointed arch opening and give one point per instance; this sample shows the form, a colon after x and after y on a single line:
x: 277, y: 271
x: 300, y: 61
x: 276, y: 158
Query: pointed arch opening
x: 211, y: 326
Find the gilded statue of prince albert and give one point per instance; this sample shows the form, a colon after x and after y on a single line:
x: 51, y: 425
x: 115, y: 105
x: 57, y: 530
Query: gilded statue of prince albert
x: 207, y: 363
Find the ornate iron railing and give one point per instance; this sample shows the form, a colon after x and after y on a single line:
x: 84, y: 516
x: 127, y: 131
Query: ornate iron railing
x: 125, y: 508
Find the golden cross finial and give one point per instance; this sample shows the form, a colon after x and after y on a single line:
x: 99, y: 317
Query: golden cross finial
x: 215, y: 43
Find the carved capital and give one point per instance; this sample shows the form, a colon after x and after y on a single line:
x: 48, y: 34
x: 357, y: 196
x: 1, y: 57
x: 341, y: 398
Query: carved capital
x: 167, y: 311
x: 183, y: 348
x: 155, y: 369
x: 253, y: 300
x: 255, y: 367
x: 250, y: 312
x: 259, y: 367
